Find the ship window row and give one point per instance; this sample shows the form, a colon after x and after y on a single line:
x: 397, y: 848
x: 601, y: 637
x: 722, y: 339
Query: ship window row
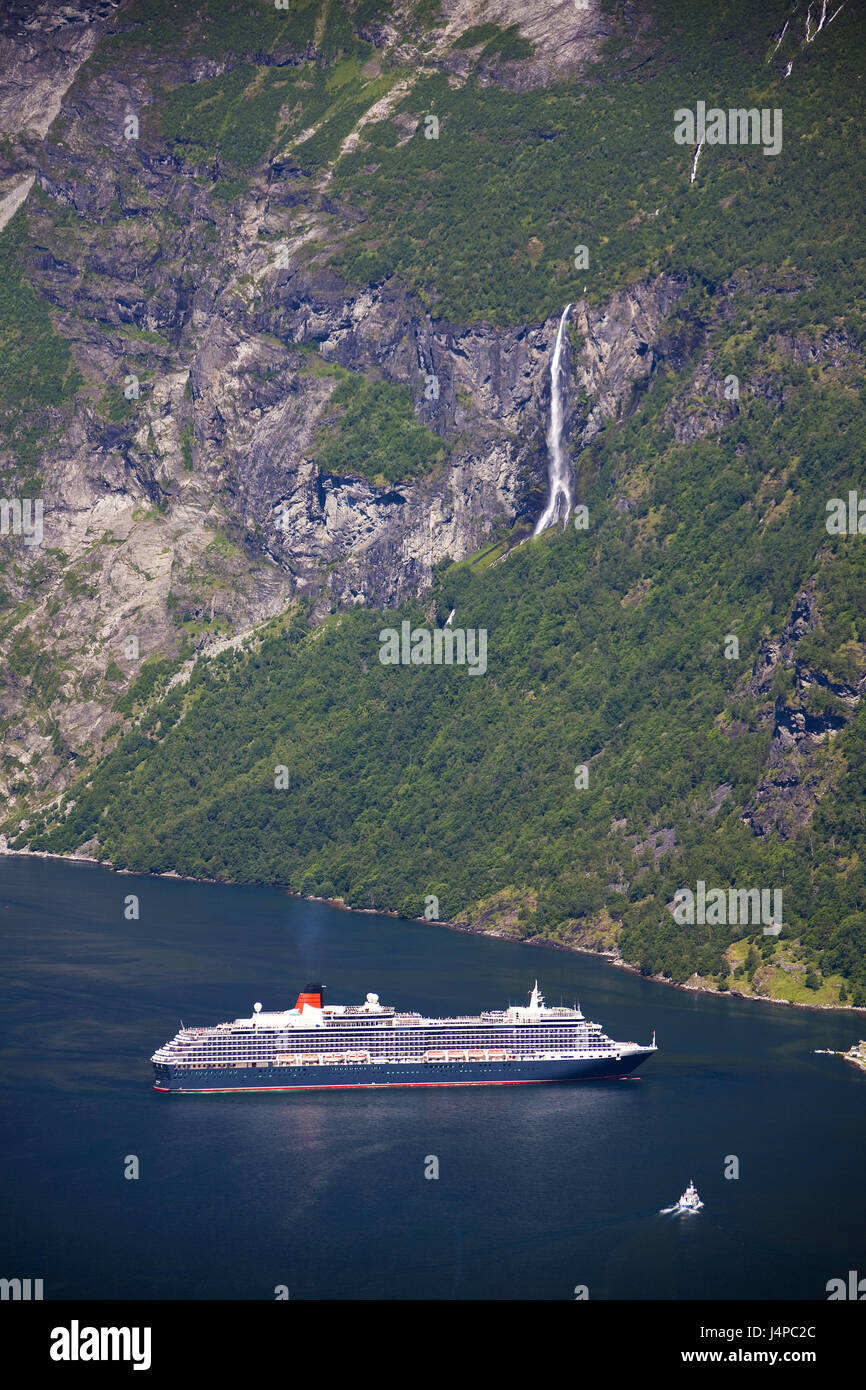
x: 384, y: 1051
x: 390, y: 1045
x: 220, y: 1066
x: 401, y: 1039
x: 429, y: 1030
x: 366, y: 1026
x: 470, y: 1037
x: 267, y: 1060
x: 331, y: 1041
x: 481, y: 1030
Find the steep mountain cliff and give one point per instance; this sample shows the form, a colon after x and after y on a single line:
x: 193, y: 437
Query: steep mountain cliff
x: 183, y: 494
x: 283, y: 288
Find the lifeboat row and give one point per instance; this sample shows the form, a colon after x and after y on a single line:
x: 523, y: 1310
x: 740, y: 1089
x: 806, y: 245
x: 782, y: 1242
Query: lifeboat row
x: 486, y: 1054
x: 324, y: 1059
x: 319, y: 1059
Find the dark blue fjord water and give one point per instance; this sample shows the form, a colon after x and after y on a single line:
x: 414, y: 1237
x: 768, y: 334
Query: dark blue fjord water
x: 541, y: 1188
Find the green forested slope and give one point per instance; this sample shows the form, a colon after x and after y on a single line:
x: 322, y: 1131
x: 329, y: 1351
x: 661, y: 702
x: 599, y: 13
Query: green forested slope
x: 484, y: 220
x: 605, y: 646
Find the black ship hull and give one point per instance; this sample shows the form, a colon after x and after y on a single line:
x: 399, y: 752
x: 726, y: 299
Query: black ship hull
x: 341, y: 1076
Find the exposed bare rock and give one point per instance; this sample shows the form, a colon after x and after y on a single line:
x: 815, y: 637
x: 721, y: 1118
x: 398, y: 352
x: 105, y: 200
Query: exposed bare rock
x: 660, y: 842
x: 801, y: 763
x: 41, y: 49
x: 710, y: 400
x: 721, y: 793
x: 619, y: 349
x: 12, y: 197
x: 196, y: 508
x: 566, y: 34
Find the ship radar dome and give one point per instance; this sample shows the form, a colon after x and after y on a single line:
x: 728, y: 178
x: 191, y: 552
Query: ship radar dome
x: 257, y: 1008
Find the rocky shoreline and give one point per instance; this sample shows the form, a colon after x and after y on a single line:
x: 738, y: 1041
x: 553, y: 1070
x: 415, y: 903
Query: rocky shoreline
x: 612, y: 957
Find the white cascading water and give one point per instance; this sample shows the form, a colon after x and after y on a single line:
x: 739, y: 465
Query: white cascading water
x: 559, y: 501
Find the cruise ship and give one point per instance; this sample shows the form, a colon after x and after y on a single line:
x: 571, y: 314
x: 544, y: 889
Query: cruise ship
x: 318, y: 1046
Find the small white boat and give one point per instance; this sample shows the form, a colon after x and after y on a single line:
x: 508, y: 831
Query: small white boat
x: 690, y: 1201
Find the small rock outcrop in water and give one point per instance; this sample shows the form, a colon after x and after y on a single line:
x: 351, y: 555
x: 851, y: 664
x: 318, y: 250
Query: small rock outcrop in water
x: 857, y: 1054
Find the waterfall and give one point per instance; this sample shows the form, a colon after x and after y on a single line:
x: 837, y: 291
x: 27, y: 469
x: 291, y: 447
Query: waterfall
x: 812, y: 34
x: 779, y: 40
x: 559, y: 501
x: 695, y: 161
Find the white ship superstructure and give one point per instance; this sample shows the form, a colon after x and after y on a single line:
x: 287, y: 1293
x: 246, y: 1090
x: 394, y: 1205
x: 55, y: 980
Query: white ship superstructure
x: 361, y: 1040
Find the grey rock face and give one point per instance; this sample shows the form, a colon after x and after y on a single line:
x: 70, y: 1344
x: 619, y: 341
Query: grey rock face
x: 799, y: 765
x: 41, y: 49
x: 618, y: 352
x: 198, y: 509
